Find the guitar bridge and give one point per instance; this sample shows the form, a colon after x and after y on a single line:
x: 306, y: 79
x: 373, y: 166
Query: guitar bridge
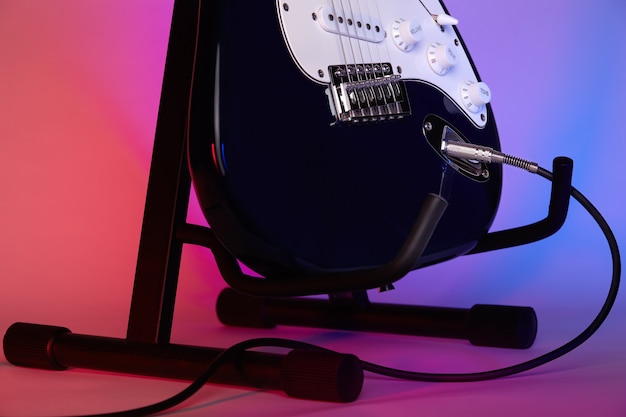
x: 367, y: 92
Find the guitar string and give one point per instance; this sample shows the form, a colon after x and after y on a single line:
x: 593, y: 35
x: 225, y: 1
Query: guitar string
x: 349, y: 39
x: 385, y: 48
x: 370, y: 38
x: 358, y: 41
x: 359, y: 65
x: 367, y: 42
x: 385, y: 43
x: 355, y: 56
x: 362, y: 39
x: 380, y: 50
x: 342, y: 41
x: 340, y: 37
x: 362, y: 63
x: 352, y: 61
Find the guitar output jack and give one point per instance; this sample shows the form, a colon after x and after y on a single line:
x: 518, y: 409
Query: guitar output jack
x: 437, y: 132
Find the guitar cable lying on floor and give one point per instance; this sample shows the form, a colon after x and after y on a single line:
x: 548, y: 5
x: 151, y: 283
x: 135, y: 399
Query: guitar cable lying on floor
x: 458, y: 150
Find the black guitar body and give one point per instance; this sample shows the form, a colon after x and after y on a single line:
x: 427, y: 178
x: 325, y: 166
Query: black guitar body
x: 290, y: 191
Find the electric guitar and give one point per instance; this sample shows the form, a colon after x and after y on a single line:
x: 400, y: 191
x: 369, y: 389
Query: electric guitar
x: 316, y: 126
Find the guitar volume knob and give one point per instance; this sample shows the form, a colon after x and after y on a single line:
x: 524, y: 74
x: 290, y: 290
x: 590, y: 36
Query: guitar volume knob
x: 441, y: 57
x: 475, y: 95
x: 406, y: 33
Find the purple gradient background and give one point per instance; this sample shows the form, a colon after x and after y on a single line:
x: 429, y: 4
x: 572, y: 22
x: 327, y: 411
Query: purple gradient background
x: 79, y: 90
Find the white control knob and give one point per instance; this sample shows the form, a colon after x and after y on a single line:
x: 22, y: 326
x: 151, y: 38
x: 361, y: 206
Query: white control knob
x: 441, y: 57
x: 406, y: 33
x: 475, y: 95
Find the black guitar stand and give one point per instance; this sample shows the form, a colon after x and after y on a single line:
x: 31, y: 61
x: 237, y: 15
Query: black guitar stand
x: 147, y: 350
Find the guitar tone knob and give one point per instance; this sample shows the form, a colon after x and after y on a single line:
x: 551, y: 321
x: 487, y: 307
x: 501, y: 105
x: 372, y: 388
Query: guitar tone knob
x: 406, y: 33
x: 441, y: 57
x: 475, y: 95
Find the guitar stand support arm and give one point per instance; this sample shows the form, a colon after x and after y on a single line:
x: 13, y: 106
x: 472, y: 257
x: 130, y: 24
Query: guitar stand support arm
x: 560, y: 196
x: 426, y: 221
x: 483, y: 325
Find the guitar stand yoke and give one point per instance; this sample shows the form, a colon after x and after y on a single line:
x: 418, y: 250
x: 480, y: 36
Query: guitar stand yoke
x: 146, y: 349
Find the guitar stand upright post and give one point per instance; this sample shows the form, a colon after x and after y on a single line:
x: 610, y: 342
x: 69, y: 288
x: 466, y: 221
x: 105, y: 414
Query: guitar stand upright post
x: 147, y: 350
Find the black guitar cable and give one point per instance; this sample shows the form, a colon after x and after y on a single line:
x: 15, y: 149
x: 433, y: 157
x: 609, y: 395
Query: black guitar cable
x: 455, y: 150
x: 488, y: 155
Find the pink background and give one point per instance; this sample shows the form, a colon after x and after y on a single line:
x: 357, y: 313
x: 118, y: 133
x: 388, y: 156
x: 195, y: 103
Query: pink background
x: 79, y: 89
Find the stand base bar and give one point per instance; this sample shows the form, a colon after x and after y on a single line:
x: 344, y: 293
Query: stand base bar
x: 323, y: 376
x: 483, y: 325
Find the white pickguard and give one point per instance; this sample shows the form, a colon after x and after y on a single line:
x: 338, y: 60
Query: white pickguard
x: 317, y: 40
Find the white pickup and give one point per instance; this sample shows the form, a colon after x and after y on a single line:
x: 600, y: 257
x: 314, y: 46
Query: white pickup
x: 350, y: 23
